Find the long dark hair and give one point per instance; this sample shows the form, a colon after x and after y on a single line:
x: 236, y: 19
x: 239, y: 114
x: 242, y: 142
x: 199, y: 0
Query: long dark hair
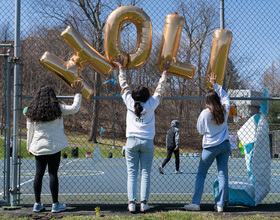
x: 213, y: 102
x: 140, y: 94
x: 44, y: 106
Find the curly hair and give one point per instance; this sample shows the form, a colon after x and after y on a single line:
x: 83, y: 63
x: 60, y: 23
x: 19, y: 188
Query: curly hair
x: 44, y: 106
x: 213, y: 102
x: 139, y: 94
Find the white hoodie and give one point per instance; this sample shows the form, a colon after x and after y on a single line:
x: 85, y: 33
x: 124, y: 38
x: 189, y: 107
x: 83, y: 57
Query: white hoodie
x: 143, y: 127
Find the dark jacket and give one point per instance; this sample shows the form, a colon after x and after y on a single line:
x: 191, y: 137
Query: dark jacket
x: 173, y: 135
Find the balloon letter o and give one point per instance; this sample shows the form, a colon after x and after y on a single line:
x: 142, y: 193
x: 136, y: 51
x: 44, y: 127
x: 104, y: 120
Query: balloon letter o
x: 112, y: 39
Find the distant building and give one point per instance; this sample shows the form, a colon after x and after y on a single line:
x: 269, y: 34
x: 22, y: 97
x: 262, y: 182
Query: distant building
x: 245, y: 108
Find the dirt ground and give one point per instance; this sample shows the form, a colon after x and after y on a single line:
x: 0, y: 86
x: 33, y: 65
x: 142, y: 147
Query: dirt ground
x: 268, y: 210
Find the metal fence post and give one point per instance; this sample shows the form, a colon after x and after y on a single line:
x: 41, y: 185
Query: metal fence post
x: 6, y: 125
x: 8, y: 166
x: 222, y: 25
x: 16, y: 61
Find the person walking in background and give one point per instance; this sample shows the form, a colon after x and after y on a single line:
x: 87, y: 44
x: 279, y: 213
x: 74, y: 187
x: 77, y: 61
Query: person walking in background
x: 212, y: 124
x: 172, y: 145
x: 46, y: 138
x: 140, y: 132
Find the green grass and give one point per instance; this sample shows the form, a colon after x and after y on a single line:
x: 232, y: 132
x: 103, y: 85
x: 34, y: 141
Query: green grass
x: 84, y: 146
x: 8, y: 217
x: 182, y: 215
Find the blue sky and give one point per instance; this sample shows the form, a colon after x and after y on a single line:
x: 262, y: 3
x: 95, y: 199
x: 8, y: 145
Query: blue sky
x: 254, y: 24
x: 256, y: 34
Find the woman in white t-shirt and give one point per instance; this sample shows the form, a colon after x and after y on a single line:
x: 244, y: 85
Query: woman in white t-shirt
x: 140, y: 132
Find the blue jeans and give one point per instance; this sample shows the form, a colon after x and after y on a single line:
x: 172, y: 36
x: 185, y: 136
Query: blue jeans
x: 139, y: 150
x: 221, y: 152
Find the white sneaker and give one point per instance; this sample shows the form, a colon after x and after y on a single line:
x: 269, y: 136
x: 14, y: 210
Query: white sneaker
x: 178, y: 171
x: 131, y: 207
x: 218, y: 208
x: 192, y: 207
x: 144, y: 207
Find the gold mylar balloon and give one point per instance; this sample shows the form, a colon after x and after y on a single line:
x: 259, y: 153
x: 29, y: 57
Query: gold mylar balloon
x: 85, y: 53
x: 232, y: 111
x: 112, y: 35
x: 218, y: 56
x: 169, y: 47
x: 67, y: 72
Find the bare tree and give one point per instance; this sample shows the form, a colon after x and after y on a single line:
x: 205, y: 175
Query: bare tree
x: 88, y: 17
x: 5, y: 33
x: 271, y: 78
x: 200, y: 20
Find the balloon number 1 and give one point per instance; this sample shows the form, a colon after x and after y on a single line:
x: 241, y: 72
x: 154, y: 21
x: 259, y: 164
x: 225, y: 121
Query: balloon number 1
x: 84, y: 54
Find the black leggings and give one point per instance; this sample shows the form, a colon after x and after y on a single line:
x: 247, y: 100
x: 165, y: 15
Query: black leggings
x: 53, y: 162
x: 169, y: 154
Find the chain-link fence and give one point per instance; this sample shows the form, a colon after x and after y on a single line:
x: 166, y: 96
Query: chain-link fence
x: 93, y: 168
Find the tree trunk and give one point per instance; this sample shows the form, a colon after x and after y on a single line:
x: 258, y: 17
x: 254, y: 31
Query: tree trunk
x: 94, y: 122
x: 96, y: 102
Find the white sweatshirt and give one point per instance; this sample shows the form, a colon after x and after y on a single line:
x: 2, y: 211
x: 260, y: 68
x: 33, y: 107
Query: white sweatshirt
x: 143, y: 127
x: 214, y: 134
x: 48, y: 137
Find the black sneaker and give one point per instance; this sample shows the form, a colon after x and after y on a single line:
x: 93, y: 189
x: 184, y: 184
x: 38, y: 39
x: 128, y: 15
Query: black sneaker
x: 160, y: 170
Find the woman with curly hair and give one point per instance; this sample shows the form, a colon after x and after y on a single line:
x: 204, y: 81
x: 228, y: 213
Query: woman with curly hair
x: 212, y: 124
x: 46, y: 138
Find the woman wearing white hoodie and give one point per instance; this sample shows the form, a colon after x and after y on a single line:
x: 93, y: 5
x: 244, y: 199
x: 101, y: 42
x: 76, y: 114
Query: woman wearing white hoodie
x: 140, y: 132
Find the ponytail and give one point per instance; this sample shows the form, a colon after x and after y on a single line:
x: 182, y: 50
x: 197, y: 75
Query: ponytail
x: 138, y: 109
x: 140, y: 94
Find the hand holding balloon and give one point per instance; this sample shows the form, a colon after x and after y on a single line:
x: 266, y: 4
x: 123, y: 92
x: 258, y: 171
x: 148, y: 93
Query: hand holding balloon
x: 166, y: 66
x: 212, y: 79
x: 77, y: 87
x: 119, y: 61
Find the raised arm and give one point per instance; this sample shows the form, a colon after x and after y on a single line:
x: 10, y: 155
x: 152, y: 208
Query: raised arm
x: 122, y: 76
x: 160, y: 90
x: 74, y: 108
x: 225, y: 101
